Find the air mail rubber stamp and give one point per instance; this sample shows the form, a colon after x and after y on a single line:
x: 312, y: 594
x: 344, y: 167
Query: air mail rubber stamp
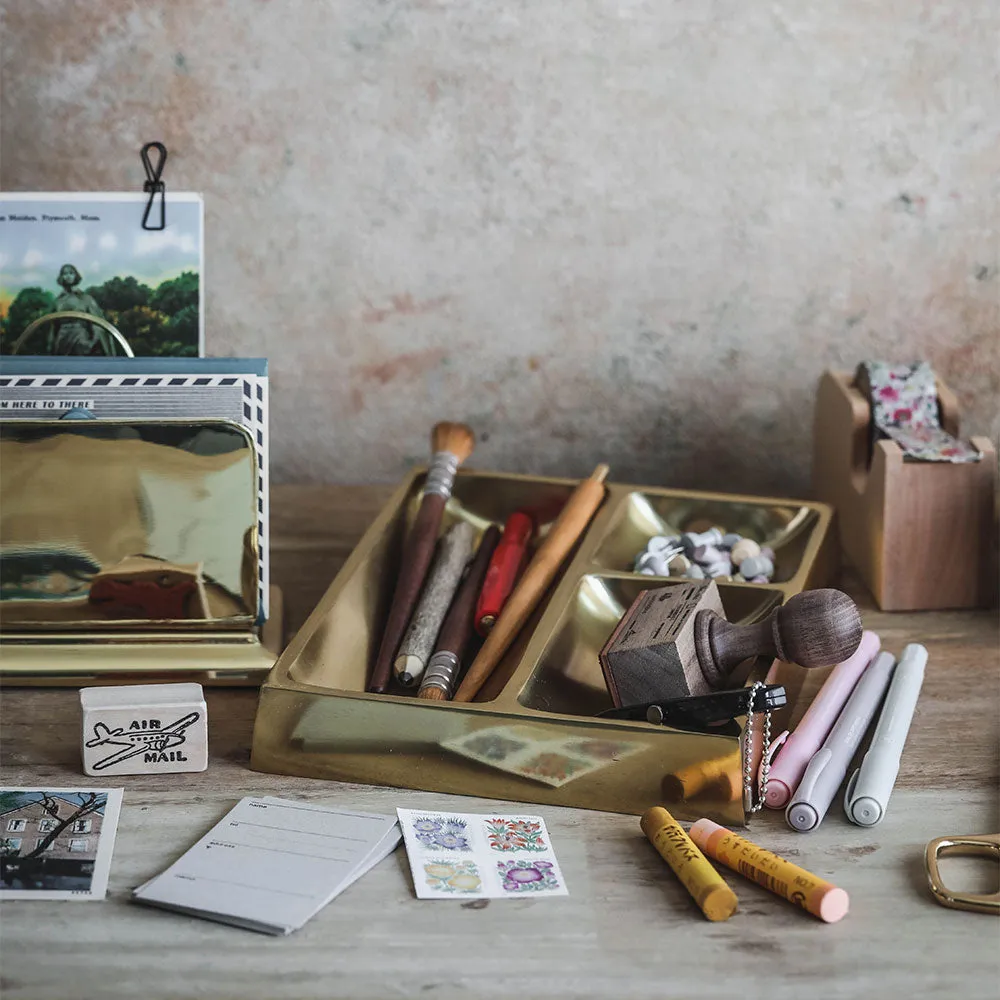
x: 144, y: 729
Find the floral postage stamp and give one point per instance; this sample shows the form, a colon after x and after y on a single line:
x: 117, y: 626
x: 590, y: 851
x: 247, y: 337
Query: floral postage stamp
x: 527, y: 876
x: 453, y: 877
x: 513, y: 833
x: 442, y: 833
x: 475, y: 855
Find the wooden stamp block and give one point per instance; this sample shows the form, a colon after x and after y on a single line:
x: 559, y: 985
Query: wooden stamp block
x: 675, y: 641
x: 652, y: 653
x: 144, y: 729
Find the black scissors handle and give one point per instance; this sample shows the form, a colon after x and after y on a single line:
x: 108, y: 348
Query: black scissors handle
x: 702, y: 709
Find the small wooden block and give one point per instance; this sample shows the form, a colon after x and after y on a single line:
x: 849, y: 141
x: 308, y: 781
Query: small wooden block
x: 144, y: 729
x: 651, y: 655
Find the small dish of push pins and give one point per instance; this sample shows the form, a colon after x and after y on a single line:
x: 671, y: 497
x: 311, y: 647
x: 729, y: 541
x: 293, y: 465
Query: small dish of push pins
x: 711, y: 554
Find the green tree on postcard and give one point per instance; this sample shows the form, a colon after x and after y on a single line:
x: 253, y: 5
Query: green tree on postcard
x: 28, y: 305
x: 176, y: 294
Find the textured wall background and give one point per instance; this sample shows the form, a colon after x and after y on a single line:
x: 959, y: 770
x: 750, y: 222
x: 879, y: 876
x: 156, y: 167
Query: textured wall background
x: 634, y: 231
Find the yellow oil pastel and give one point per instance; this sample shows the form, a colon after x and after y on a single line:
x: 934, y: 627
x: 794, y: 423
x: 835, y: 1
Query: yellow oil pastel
x: 702, y: 881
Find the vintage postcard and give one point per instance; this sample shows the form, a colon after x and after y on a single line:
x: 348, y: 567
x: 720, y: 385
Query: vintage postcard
x: 485, y: 856
x: 88, y: 254
x: 56, y: 843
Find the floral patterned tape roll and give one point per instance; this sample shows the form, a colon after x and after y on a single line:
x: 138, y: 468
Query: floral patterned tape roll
x: 904, y: 407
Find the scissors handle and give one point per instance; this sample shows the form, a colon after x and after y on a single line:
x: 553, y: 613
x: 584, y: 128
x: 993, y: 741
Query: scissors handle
x: 988, y: 846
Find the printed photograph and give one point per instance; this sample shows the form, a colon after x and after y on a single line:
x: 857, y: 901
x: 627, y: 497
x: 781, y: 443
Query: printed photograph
x: 56, y: 844
x: 87, y: 254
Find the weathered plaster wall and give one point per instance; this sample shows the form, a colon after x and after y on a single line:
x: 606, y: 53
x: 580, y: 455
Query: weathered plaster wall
x: 631, y: 231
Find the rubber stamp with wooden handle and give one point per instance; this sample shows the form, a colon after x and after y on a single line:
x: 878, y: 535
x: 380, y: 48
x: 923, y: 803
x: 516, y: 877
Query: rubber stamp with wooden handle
x: 675, y: 641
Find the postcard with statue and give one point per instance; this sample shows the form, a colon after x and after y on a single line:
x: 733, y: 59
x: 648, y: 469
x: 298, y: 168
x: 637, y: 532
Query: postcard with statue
x: 79, y: 275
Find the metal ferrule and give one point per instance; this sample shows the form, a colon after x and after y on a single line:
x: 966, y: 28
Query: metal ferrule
x: 441, y: 474
x: 441, y: 671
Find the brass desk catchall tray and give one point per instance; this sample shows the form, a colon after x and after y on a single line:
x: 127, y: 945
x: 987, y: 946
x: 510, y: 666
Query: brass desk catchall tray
x: 128, y: 548
x: 531, y: 734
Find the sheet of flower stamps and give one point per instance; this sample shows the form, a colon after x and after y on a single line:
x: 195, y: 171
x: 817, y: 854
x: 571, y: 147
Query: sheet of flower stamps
x: 484, y: 856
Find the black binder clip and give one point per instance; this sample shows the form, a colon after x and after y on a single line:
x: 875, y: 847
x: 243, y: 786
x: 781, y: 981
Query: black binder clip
x: 154, y: 186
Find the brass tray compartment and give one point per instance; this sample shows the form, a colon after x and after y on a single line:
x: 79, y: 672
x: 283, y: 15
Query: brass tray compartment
x: 567, y: 677
x: 531, y: 735
x: 338, y: 651
x: 798, y: 531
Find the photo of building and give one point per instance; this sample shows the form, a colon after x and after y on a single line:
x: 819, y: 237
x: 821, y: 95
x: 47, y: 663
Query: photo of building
x: 49, y: 840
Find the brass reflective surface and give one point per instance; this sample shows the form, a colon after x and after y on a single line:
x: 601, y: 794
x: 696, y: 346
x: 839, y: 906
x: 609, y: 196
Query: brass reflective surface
x: 531, y: 735
x: 108, y: 526
x: 795, y: 530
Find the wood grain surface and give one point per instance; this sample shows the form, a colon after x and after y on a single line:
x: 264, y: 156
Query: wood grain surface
x: 627, y: 929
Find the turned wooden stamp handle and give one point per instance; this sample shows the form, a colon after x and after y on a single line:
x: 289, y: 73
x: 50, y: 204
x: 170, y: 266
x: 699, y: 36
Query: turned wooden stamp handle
x: 816, y: 628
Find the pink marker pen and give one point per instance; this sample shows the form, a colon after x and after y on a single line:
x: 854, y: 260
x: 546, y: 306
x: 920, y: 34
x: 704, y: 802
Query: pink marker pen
x: 797, y: 749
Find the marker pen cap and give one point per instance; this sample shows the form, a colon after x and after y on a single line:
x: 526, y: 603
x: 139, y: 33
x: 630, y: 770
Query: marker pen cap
x: 866, y: 811
x: 802, y: 817
x: 776, y: 794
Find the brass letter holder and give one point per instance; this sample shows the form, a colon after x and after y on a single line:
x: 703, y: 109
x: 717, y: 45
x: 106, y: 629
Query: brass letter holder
x: 128, y: 549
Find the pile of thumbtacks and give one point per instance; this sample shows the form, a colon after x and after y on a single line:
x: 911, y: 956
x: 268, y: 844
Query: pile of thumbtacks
x: 708, y: 554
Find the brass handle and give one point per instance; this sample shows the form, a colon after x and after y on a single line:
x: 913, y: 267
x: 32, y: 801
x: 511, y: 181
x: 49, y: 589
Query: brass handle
x: 72, y: 314
x: 985, y: 846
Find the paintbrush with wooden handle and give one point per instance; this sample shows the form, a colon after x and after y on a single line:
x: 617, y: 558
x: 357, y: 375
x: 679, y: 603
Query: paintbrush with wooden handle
x: 526, y: 596
x: 451, y: 444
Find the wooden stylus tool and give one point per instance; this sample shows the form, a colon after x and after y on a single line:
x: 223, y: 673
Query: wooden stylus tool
x: 549, y: 557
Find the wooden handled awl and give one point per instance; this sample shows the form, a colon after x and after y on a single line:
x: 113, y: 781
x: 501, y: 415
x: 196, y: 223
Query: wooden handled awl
x: 452, y: 445
x: 445, y: 665
x: 563, y: 535
x: 453, y: 553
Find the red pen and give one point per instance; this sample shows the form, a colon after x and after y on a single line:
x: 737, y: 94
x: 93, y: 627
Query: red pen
x: 506, y: 563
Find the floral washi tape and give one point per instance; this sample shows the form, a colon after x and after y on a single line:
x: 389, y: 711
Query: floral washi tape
x: 904, y: 407
x: 471, y: 855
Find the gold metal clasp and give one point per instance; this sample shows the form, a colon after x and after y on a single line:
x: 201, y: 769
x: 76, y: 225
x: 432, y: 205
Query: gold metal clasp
x: 988, y: 846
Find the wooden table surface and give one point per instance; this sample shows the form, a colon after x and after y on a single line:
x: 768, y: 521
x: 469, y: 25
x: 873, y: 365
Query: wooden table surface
x: 628, y: 929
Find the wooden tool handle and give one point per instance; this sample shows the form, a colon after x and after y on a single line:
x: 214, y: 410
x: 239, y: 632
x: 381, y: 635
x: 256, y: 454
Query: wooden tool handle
x: 816, y: 628
x: 417, y: 557
x: 457, y: 627
x: 433, y: 694
x: 456, y: 630
x: 562, y: 536
x: 451, y: 557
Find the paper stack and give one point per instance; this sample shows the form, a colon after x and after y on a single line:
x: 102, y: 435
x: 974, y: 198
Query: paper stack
x: 271, y: 864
